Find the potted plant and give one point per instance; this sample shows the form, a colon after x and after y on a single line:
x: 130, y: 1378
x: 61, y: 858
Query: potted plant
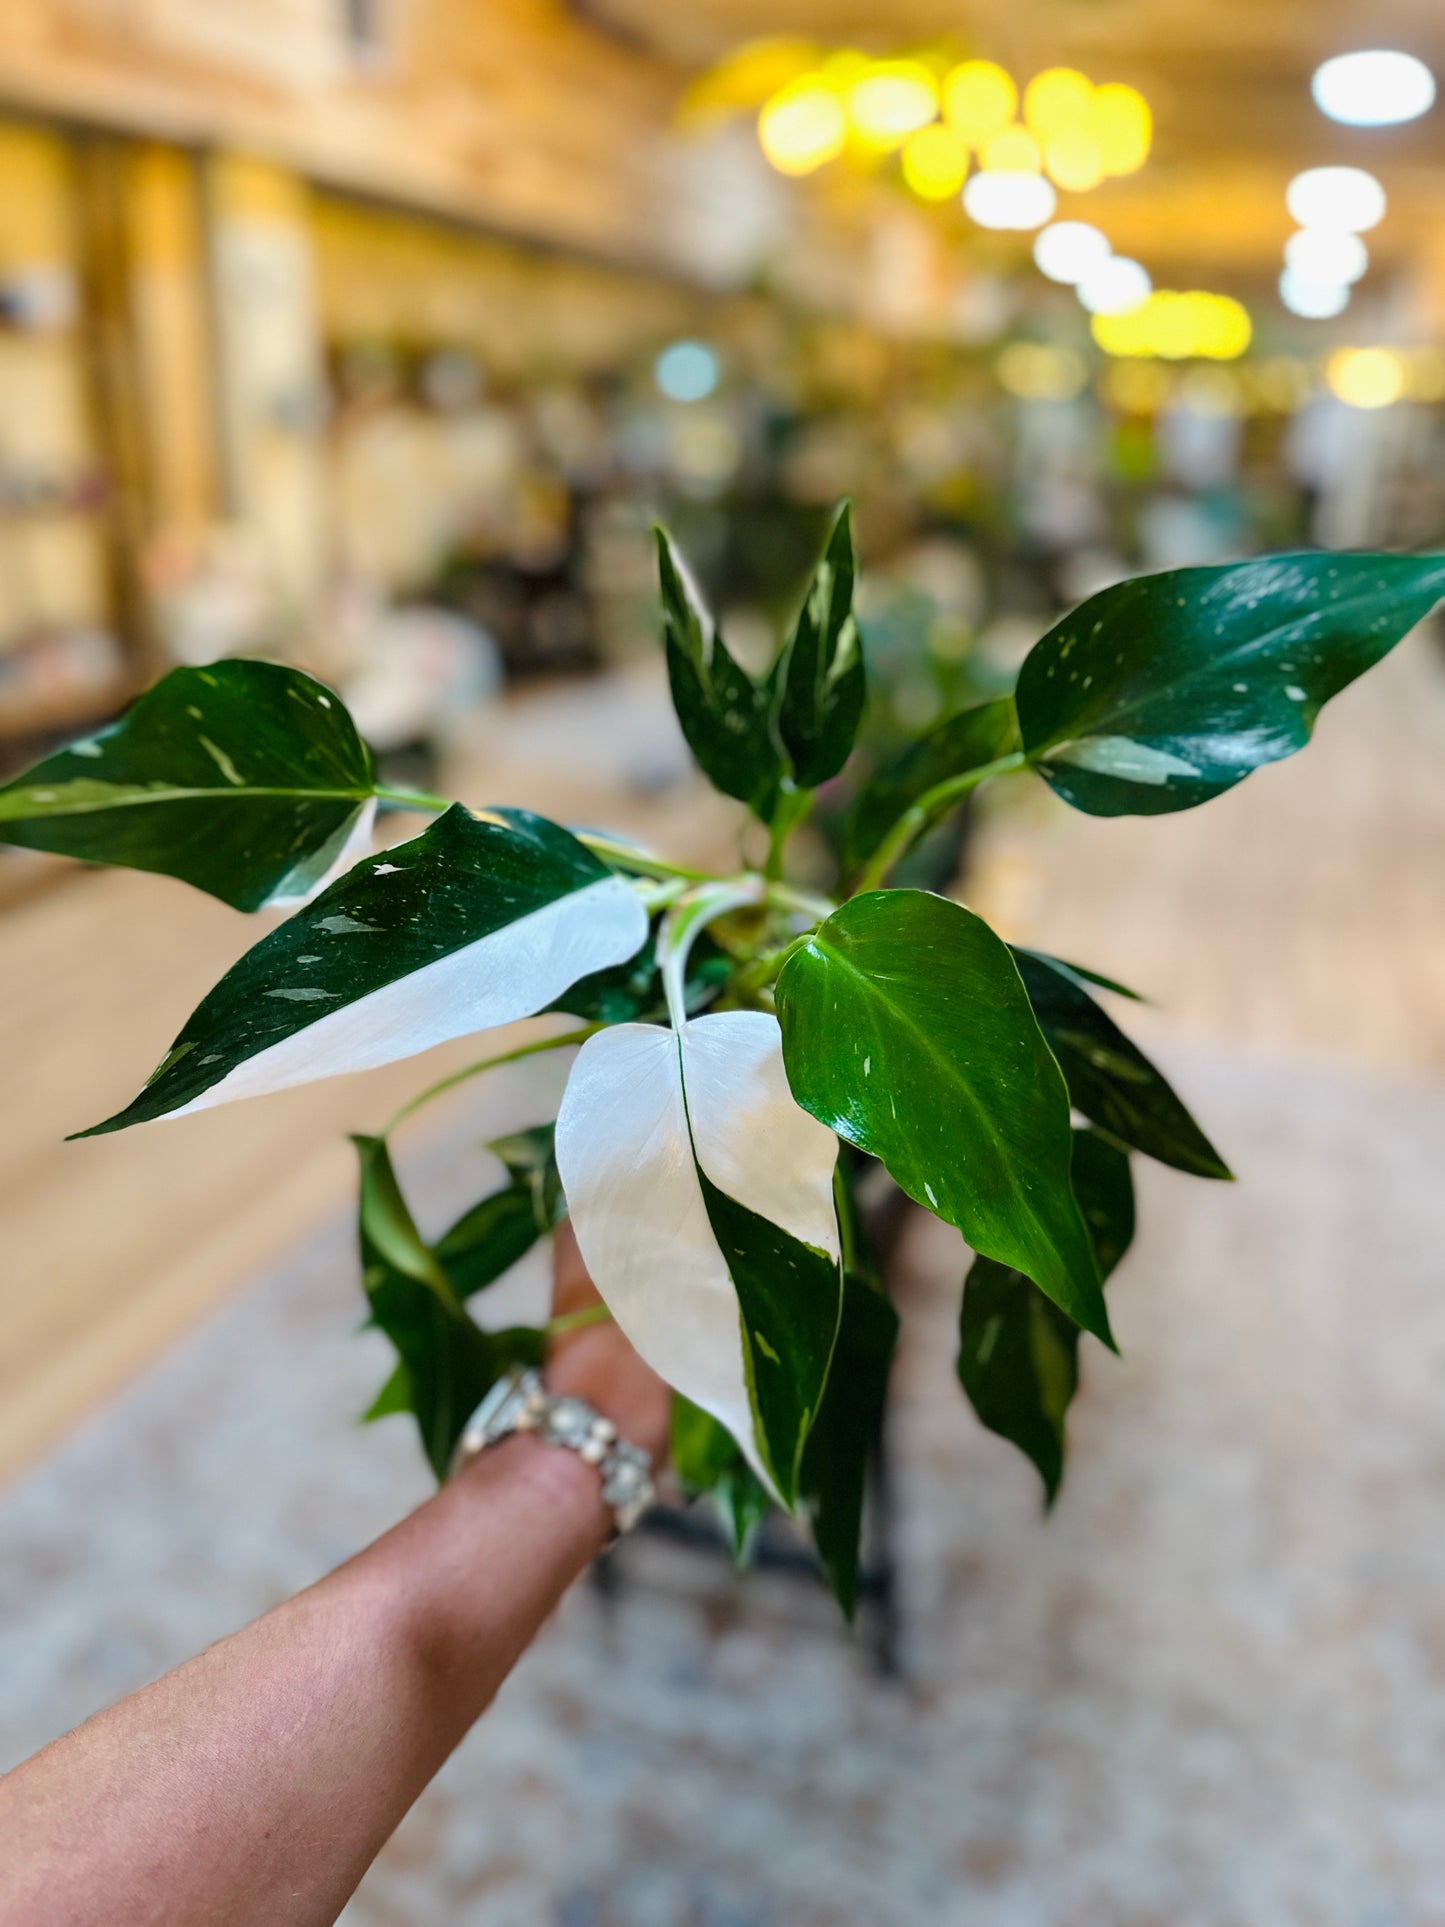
x: 734, y: 1030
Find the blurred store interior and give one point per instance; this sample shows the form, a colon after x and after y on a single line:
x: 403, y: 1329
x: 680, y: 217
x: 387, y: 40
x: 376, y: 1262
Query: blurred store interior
x: 373, y: 335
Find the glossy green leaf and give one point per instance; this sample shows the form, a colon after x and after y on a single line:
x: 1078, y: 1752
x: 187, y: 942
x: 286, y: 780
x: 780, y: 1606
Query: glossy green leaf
x: 966, y: 741
x: 1109, y: 1078
x: 246, y: 779
x: 841, y: 1445
x: 483, y: 919
x: 490, y: 1238
x: 789, y: 1298
x: 725, y: 716
x: 709, y: 1463
x: 1018, y: 1357
x: 1165, y: 691
x: 907, y: 1031
x: 821, y: 677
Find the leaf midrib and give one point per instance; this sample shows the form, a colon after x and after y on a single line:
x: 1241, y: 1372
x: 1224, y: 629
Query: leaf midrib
x: 133, y: 799
x: 917, y: 1030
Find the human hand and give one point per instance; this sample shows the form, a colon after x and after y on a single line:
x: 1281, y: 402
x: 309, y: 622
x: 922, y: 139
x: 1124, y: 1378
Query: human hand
x: 597, y: 1363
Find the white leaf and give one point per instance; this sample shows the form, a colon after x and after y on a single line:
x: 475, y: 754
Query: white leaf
x: 340, y: 854
x: 514, y: 972
x: 626, y: 1159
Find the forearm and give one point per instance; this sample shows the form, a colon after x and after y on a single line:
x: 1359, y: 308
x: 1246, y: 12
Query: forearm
x: 257, y: 1783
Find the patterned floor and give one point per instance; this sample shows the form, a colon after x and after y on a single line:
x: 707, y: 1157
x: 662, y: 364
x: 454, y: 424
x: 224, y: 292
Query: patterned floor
x: 1210, y: 1692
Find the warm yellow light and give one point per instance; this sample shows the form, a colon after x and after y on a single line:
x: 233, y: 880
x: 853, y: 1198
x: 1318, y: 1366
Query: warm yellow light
x: 1035, y: 371
x: 802, y: 126
x: 1223, y: 329
x: 891, y: 100
x: 935, y: 163
x: 979, y: 100
x: 1177, y: 326
x: 1058, y: 102
x: 1366, y: 377
x: 1073, y: 160
x: 1121, y: 127
x: 1014, y: 151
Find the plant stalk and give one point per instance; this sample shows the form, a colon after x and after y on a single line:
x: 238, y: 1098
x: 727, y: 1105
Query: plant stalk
x: 917, y: 817
x: 447, y: 1083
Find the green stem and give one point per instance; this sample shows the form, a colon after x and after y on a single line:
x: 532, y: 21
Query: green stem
x: 916, y: 819
x: 793, y: 807
x: 576, y: 1321
x: 447, y: 1083
x: 413, y: 799
x: 640, y: 862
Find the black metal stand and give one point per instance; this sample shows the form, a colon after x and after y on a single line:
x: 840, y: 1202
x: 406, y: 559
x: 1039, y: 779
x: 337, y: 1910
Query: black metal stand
x: 777, y: 1550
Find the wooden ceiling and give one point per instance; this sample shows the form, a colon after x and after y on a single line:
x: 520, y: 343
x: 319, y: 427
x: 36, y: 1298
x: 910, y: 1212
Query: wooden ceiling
x: 1228, y: 81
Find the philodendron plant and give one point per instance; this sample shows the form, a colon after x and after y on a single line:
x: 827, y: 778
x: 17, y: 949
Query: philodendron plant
x: 732, y: 1029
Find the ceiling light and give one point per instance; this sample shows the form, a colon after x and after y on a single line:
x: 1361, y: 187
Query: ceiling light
x: 891, y: 100
x: 1374, y: 89
x: 1177, y: 326
x: 1067, y: 250
x: 1324, y: 255
x: 1336, y: 197
x: 978, y: 100
x: 1057, y: 101
x: 1313, y: 300
x: 1121, y: 127
x: 802, y: 126
x: 1366, y: 377
x: 1017, y: 201
x: 1115, y: 286
x: 935, y: 163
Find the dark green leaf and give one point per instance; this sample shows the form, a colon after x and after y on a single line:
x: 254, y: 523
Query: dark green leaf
x: 708, y: 1461
x: 244, y: 779
x: 449, y: 1361
x: 395, y: 1396
x: 742, y: 1503
x: 410, y: 948
x: 1018, y: 1355
x: 960, y: 743
x: 489, y: 1239
x: 822, y: 681
x: 632, y: 993
x: 725, y: 715
x: 1085, y: 976
x: 789, y: 1297
x: 1104, y: 1187
x: 907, y: 1031
x: 1165, y: 691
x: 1109, y: 1078
x: 841, y: 1444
